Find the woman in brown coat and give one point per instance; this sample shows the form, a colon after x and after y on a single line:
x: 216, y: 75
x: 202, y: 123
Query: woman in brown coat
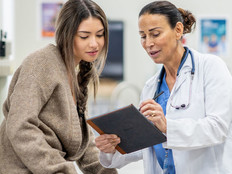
x: 44, y: 129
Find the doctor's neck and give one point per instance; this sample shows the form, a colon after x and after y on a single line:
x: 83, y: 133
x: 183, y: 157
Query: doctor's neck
x: 171, y: 67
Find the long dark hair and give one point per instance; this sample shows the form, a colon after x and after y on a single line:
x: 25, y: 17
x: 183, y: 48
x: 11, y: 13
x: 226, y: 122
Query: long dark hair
x: 71, y: 15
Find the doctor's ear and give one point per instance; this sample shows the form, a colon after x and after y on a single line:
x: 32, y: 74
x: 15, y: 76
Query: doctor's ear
x: 179, y: 28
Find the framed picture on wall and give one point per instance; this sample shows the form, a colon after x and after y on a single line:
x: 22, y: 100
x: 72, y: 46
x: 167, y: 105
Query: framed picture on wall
x: 214, y: 35
x: 47, y: 14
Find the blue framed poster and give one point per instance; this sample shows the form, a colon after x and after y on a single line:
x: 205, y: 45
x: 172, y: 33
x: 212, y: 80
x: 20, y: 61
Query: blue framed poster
x: 214, y: 36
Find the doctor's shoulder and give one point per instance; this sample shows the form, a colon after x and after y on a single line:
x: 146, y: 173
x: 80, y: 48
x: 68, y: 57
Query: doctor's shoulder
x: 152, y: 79
x: 211, y: 63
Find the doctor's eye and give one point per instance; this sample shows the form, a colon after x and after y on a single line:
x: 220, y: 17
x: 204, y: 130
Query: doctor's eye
x: 156, y: 34
x: 143, y: 36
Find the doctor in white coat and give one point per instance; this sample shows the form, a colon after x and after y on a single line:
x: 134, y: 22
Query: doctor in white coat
x: 195, y: 111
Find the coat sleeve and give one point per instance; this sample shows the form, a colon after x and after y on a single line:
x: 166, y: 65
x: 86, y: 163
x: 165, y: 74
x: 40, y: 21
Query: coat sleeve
x: 117, y: 160
x: 214, y: 126
x: 89, y: 162
x: 27, y: 98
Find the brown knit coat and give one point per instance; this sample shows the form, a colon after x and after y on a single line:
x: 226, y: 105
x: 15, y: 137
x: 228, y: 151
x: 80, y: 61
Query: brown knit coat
x: 42, y: 132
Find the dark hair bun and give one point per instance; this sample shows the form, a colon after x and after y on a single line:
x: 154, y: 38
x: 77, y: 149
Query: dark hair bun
x: 189, y: 20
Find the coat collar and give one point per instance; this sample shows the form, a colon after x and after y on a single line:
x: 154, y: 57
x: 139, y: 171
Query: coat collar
x: 152, y: 84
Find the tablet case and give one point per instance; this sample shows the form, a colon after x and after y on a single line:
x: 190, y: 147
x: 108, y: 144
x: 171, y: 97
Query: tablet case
x: 134, y: 129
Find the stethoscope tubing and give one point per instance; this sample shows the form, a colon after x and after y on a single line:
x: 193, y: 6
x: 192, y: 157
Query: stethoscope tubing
x: 188, y: 51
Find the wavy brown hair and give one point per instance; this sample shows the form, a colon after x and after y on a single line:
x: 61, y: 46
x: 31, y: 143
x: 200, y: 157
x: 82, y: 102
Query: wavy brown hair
x: 71, y: 15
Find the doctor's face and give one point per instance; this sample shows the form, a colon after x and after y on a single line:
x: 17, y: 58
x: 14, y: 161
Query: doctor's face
x: 158, y: 38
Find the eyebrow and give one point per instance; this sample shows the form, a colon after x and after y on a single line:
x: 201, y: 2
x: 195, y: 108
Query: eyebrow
x: 152, y: 29
x: 90, y: 32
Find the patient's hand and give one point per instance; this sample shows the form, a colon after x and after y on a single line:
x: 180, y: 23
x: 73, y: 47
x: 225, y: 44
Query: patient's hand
x: 107, y: 142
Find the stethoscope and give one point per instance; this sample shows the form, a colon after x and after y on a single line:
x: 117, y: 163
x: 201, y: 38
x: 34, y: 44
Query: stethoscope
x: 161, y: 75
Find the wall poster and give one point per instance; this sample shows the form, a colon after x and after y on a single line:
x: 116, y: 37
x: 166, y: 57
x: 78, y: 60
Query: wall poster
x: 48, y: 13
x: 214, y: 36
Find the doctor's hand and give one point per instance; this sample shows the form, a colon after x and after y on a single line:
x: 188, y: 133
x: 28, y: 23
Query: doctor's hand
x: 107, y: 142
x: 154, y: 112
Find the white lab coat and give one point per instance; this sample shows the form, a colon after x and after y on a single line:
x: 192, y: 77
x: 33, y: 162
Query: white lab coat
x: 199, y: 136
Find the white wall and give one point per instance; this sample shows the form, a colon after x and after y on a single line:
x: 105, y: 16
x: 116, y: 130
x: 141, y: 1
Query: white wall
x: 1, y: 81
x: 6, y: 24
x: 138, y: 66
x: 1, y: 14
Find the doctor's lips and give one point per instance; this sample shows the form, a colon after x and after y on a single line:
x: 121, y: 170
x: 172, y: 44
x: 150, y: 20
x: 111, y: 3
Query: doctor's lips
x: 153, y: 53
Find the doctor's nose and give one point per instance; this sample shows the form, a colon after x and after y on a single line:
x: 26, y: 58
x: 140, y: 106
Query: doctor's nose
x: 149, y: 42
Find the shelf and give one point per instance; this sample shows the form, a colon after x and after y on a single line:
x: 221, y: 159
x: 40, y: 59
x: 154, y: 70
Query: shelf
x: 6, y: 67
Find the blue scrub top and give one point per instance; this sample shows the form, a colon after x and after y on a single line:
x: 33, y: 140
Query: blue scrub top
x: 162, y: 153
x: 164, y: 156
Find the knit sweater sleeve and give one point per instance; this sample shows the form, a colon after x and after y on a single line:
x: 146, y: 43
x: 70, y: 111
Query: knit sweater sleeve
x: 88, y: 164
x: 31, y: 90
